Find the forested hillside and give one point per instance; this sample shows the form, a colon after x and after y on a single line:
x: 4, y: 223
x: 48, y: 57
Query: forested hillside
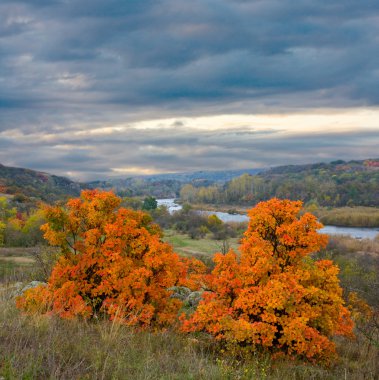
x: 335, y: 184
x: 26, y: 184
x: 168, y: 185
x: 140, y: 186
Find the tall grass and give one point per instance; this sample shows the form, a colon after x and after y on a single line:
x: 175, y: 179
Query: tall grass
x: 37, y: 347
x: 11, y: 268
x: 48, y: 348
x: 349, y: 216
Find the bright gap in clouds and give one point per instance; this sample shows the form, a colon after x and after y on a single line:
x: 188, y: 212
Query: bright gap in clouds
x: 183, y: 144
x: 310, y: 122
x: 134, y: 171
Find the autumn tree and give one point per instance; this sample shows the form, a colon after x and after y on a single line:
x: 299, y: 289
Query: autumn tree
x: 273, y: 296
x: 188, y: 193
x: 239, y: 187
x: 23, y: 229
x: 113, y: 263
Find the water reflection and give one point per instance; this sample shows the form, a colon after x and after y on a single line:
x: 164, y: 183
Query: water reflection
x: 355, y: 232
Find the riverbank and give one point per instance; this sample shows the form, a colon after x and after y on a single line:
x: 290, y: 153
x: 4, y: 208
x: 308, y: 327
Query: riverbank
x: 229, y: 209
x: 360, y: 217
x: 359, y: 222
x: 367, y: 217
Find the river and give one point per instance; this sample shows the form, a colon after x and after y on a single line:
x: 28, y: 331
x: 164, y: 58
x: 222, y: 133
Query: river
x: 355, y: 232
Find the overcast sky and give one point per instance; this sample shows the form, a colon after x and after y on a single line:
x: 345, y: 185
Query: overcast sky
x: 93, y: 88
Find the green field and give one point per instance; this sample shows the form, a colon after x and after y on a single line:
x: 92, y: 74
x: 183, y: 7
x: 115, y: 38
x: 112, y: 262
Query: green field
x: 203, y: 249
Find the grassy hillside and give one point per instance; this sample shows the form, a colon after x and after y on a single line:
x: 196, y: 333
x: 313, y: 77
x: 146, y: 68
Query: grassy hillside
x: 36, y: 347
x: 34, y: 184
x: 48, y: 348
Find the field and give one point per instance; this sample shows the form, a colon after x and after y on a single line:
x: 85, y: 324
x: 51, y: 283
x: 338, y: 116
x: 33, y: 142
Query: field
x: 48, y: 348
x: 202, y: 249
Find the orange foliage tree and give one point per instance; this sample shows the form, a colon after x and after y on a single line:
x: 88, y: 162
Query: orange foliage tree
x: 273, y: 295
x: 113, y: 263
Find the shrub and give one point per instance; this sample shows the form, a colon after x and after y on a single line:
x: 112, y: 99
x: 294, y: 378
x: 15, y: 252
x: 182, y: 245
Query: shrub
x: 113, y: 263
x: 274, y: 297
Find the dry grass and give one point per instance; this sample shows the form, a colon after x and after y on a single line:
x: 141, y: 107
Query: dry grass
x: 37, y: 347
x: 47, y: 348
x: 349, y: 216
x: 348, y: 245
x: 18, y: 259
x: 26, y: 264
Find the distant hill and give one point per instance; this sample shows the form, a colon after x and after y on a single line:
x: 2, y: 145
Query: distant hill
x: 334, y: 184
x: 168, y: 185
x: 34, y: 184
x: 139, y: 186
x: 48, y: 187
x: 337, y: 183
x: 206, y: 175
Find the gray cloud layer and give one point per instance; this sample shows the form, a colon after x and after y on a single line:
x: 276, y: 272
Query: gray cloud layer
x: 91, y: 157
x: 71, y: 64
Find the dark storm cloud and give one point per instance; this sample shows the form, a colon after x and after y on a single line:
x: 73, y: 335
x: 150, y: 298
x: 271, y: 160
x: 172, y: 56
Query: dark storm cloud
x: 156, y: 52
x: 69, y: 65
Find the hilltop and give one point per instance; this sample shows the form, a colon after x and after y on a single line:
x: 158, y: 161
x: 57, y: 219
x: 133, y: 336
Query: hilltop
x: 27, y: 183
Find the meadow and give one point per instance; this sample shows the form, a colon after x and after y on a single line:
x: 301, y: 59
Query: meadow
x: 37, y: 347
x: 203, y: 249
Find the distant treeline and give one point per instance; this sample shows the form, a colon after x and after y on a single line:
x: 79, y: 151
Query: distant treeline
x: 337, y: 184
x: 140, y: 187
x: 166, y: 185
